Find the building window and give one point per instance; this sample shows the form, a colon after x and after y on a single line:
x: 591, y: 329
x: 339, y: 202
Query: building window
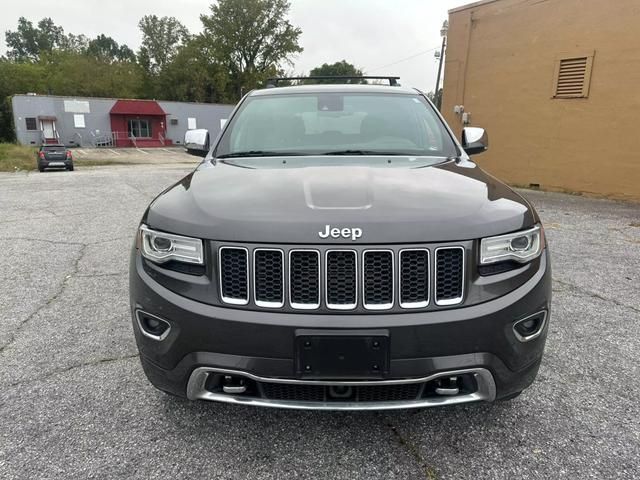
x: 191, y: 123
x: 78, y: 120
x: 139, y: 128
x: 572, y: 76
x: 31, y: 123
x: 174, y: 121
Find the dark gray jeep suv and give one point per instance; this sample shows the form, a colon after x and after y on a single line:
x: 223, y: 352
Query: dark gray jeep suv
x: 338, y: 249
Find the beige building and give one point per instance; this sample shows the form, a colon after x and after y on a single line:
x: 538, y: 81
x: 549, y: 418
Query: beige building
x: 556, y: 84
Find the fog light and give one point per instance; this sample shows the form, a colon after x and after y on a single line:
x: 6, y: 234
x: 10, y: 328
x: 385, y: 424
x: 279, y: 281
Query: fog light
x: 152, y: 326
x: 531, y: 327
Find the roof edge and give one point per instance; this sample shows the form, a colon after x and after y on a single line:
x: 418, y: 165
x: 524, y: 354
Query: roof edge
x: 479, y: 3
x: 83, y: 97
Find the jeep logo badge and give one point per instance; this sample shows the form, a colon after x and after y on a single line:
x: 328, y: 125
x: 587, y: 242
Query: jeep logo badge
x: 352, y: 233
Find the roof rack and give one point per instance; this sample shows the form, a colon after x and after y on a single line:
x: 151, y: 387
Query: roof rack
x: 273, y: 82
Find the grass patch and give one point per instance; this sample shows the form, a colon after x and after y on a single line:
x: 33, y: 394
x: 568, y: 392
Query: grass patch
x: 80, y: 162
x: 17, y: 157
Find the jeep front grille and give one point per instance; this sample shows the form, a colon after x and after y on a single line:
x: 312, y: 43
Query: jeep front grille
x: 342, y: 279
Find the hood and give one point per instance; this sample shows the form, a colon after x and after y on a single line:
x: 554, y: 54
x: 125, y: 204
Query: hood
x: 283, y: 201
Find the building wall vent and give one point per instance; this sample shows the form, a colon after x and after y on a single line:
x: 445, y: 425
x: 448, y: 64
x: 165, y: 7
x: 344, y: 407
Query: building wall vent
x: 572, y: 77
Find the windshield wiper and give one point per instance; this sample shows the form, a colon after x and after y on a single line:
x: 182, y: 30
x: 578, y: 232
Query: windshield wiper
x: 260, y: 153
x: 361, y: 152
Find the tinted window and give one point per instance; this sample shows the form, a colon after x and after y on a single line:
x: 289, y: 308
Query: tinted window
x: 328, y: 122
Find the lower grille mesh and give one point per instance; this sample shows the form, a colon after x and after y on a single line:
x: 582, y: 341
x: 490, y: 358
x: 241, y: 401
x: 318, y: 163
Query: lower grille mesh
x: 322, y: 393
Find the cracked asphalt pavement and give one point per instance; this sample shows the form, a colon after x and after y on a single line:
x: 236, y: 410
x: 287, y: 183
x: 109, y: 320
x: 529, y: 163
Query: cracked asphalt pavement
x: 74, y: 402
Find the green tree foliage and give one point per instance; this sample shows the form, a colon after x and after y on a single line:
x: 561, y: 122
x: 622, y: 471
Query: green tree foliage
x: 251, y: 39
x: 17, y: 78
x: 29, y: 42
x: 69, y: 73
x: 107, y: 49
x: 161, y: 38
x: 193, y: 75
x: 337, y: 69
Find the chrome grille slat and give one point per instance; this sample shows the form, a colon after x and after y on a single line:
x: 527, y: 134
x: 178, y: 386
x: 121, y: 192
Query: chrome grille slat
x: 378, y: 279
x: 304, y: 279
x: 341, y: 279
x: 449, y: 275
x: 233, y: 265
x: 268, y: 277
x: 414, y: 278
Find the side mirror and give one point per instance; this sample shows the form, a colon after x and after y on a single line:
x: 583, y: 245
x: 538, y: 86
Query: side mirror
x: 474, y: 140
x: 196, y: 142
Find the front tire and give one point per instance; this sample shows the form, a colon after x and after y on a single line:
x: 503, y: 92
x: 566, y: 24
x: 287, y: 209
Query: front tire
x: 70, y: 168
x: 511, y: 397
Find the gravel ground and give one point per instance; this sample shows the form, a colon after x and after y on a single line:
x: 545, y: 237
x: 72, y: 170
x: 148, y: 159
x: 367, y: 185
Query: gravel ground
x: 74, y: 402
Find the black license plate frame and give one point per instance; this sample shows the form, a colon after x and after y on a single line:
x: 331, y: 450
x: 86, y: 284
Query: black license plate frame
x: 342, y: 354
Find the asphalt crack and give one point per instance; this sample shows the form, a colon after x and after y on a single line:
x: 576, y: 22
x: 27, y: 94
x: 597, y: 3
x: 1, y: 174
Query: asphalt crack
x: 410, y: 448
x: 595, y: 295
x: 92, y: 363
x: 49, y: 301
x: 99, y: 275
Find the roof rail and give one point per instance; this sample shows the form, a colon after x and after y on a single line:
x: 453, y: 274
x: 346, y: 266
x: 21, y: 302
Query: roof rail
x: 273, y: 82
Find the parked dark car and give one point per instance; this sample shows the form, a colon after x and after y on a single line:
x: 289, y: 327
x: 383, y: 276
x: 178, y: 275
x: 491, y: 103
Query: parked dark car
x: 54, y: 156
x: 338, y: 249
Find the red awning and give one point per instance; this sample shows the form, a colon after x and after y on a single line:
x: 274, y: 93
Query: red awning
x: 137, y: 107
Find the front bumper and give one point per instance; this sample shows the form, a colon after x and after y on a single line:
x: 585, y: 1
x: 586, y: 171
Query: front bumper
x: 205, y: 341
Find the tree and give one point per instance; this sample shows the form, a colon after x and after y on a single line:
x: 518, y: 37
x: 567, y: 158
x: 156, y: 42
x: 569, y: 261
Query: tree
x: 74, y: 43
x: 161, y: 38
x: 28, y: 42
x: 17, y: 78
x: 251, y: 39
x: 70, y: 73
x: 193, y: 75
x: 107, y: 49
x: 338, y: 69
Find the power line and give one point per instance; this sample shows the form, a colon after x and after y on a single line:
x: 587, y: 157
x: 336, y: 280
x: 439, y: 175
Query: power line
x: 403, y: 59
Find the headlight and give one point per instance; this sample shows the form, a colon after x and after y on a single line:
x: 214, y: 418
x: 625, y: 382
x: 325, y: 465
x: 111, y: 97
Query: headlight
x: 162, y: 247
x: 519, y: 246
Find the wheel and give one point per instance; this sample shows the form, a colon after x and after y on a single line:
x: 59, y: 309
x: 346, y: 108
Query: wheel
x: 70, y: 168
x: 40, y: 168
x: 511, y: 397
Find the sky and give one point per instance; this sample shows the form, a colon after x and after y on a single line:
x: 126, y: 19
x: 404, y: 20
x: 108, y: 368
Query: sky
x: 382, y: 37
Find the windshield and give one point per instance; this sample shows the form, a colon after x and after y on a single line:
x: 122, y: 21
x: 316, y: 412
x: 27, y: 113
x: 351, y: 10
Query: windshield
x: 335, y: 124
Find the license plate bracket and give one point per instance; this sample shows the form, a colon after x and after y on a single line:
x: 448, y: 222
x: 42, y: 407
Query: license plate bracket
x: 344, y: 354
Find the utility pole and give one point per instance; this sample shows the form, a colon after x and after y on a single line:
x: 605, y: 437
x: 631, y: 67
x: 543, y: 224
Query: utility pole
x: 443, y: 34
